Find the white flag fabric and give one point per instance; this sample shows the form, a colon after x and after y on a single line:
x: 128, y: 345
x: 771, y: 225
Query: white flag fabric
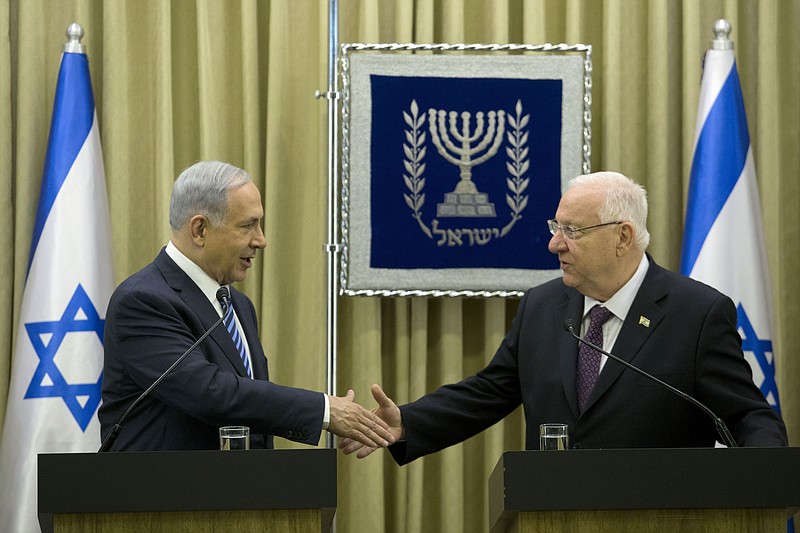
x: 723, y: 242
x: 57, y: 364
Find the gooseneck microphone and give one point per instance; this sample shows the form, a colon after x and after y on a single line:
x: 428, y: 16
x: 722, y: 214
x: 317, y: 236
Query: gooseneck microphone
x: 722, y: 429
x: 222, y: 296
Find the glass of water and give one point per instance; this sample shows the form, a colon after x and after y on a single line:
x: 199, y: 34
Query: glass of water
x: 234, y: 438
x: 553, y: 437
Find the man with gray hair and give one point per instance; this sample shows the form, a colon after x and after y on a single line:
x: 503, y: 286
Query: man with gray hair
x: 677, y: 329
x: 158, y: 313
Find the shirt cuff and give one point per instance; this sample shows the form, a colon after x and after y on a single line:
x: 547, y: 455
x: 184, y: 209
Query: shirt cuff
x: 326, y: 416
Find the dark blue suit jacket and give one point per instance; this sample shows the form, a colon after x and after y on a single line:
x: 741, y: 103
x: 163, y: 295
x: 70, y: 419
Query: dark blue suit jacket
x: 153, y: 317
x: 690, y: 342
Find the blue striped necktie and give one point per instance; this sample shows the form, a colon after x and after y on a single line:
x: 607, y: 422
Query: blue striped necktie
x: 230, y: 323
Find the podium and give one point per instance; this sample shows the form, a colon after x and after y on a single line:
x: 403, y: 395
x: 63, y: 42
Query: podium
x: 254, y: 490
x: 631, y: 490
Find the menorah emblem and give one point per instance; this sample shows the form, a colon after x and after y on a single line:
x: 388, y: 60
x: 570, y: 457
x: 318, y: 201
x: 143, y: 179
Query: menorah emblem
x: 466, y: 200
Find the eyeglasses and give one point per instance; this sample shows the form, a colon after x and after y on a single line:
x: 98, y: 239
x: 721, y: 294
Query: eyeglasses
x: 573, y: 233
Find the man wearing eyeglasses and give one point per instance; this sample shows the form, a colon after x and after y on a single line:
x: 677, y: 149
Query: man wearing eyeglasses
x: 679, y: 330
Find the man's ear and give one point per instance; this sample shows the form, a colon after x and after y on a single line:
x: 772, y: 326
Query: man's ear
x: 625, y: 238
x: 198, y: 226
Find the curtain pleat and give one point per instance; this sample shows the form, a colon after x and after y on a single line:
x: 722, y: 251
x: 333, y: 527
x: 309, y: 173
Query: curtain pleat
x: 6, y: 206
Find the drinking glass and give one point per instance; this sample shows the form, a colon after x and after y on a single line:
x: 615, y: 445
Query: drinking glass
x: 234, y: 438
x: 553, y: 437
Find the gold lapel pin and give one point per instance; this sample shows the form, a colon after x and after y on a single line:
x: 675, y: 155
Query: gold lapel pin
x: 644, y: 321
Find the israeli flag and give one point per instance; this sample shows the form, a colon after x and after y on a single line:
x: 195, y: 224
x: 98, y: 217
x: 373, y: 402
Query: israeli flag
x: 57, y: 365
x: 723, y: 242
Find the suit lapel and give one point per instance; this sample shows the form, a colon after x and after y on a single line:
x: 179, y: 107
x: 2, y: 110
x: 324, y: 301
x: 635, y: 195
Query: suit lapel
x: 642, y: 320
x: 191, y: 294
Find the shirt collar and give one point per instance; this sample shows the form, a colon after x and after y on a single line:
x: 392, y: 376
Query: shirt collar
x: 204, y: 282
x: 621, y: 302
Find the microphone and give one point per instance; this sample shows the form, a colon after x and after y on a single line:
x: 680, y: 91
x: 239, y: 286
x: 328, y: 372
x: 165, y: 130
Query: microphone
x: 224, y: 298
x: 722, y: 429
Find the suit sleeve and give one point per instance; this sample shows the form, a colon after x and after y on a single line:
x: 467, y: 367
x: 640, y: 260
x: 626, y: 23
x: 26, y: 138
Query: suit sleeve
x: 456, y: 412
x: 725, y: 381
x: 147, y: 331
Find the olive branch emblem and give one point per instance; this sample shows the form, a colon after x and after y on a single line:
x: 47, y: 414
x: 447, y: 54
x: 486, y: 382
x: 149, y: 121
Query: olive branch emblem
x: 517, y: 165
x: 414, y: 165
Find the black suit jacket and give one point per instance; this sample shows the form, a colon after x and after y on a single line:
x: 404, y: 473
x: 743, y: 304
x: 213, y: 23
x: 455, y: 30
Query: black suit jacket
x: 153, y: 317
x: 687, y: 338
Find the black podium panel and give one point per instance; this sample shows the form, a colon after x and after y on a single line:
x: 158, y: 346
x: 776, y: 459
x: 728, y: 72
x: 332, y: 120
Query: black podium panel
x: 186, y: 481
x: 638, y: 479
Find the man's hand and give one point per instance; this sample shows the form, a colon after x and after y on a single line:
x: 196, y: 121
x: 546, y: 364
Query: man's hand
x: 389, y: 413
x: 354, y: 423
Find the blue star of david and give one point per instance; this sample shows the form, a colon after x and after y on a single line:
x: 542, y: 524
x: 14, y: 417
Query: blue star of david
x: 69, y: 392
x: 759, y: 348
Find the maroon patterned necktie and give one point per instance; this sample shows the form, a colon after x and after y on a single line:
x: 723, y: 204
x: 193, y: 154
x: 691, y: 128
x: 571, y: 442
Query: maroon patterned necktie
x: 589, y: 358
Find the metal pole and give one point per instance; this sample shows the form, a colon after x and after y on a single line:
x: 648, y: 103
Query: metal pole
x: 333, y: 247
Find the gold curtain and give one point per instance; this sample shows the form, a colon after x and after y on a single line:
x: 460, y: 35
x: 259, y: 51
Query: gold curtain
x: 185, y: 80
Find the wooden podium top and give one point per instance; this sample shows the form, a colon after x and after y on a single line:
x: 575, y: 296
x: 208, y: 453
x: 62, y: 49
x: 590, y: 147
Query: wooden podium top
x: 630, y: 479
x: 187, y: 481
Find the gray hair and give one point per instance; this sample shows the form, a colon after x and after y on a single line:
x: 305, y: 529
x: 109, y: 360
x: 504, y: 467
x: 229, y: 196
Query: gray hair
x: 625, y: 201
x: 202, y: 189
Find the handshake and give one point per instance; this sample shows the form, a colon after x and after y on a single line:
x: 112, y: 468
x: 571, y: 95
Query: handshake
x: 361, y: 430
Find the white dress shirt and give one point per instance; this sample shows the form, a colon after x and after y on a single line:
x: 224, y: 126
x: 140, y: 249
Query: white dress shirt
x: 619, y: 305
